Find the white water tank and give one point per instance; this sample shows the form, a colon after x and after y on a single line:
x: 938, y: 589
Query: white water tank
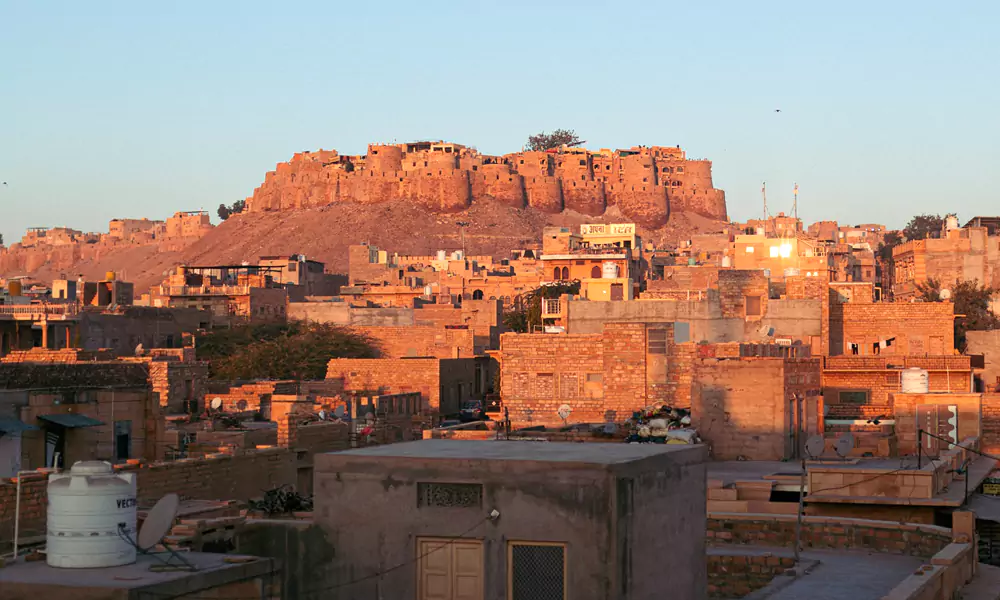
x: 951, y: 222
x: 91, y: 512
x: 441, y: 254
x: 726, y: 262
x: 609, y: 270
x: 457, y: 255
x: 792, y: 272
x: 914, y: 381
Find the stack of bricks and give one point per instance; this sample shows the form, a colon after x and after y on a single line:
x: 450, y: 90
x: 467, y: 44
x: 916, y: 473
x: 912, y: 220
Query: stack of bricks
x: 735, y: 576
x: 830, y: 533
x: 64, y: 355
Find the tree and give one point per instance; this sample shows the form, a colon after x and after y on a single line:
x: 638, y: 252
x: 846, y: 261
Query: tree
x: 225, y: 212
x: 889, y: 241
x: 1, y: 239
x: 547, y: 141
x: 922, y: 227
x: 972, y: 302
x: 527, y: 315
x: 286, y: 351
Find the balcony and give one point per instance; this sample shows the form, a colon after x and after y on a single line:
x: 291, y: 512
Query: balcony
x: 38, y: 311
x: 204, y: 290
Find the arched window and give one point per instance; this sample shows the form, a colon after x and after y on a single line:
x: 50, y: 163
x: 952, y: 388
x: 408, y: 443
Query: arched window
x: 595, y: 273
x: 565, y: 273
x: 477, y: 295
x: 555, y: 273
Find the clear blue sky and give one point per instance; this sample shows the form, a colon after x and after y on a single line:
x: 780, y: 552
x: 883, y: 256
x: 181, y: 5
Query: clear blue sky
x: 129, y: 109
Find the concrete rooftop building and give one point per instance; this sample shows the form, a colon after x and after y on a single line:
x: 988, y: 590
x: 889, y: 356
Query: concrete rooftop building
x: 491, y: 520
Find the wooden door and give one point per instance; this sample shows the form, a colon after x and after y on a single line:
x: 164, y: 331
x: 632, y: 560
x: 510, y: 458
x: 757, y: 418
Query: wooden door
x: 449, y: 569
x: 617, y: 292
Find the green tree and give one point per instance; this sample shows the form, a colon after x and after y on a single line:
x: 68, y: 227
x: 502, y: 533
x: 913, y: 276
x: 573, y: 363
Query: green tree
x: 286, y: 351
x: 547, y: 141
x: 225, y: 212
x: 527, y: 315
x: 972, y: 306
x: 922, y: 227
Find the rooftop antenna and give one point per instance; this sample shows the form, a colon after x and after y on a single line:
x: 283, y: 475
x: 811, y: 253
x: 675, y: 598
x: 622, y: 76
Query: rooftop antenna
x: 795, y: 202
x: 763, y: 193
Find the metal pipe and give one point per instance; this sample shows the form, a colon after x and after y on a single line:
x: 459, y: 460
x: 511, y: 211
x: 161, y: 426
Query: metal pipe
x: 920, y: 447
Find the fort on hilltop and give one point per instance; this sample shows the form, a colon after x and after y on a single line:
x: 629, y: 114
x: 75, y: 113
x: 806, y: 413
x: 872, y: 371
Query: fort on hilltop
x: 645, y: 183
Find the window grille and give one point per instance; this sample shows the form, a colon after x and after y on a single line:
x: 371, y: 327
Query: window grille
x: 537, y: 571
x: 450, y: 495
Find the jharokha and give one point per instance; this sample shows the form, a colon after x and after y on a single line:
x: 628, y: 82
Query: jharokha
x: 644, y: 183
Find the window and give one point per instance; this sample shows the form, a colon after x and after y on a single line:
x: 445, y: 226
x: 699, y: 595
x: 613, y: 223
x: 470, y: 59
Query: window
x: 555, y: 273
x: 565, y: 272
x: 753, y: 306
x: 583, y: 162
x: 123, y: 440
x: 536, y: 571
x: 477, y: 295
x: 853, y: 396
x: 749, y: 250
x: 569, y: 385
x: 595, y: 272
x: 656, y: 341
x: 599, y: 377
x: 544, y: 385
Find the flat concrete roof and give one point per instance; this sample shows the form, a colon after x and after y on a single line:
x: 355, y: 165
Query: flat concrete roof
x: 518, y: 450
x: 214, y: 570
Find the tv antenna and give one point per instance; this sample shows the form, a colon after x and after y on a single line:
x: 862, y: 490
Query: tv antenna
x: 155, y: 527
x: 795, y: 202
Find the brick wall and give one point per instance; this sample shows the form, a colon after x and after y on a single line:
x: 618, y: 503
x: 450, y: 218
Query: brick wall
x: 227, y: 477
x: 734, y: 288
x: 904, y: 410
x: 991, y: 424
x: 429, y: 376
x: 602, y: 377
x: 425, y: 341
x: 828, y: 533
x: 874, y: 375
x: 739, y: 408
x: 735, y: 576
x: 921, y: 328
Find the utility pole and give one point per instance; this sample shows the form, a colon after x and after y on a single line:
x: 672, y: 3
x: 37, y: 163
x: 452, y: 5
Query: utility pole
x: 462, y: 225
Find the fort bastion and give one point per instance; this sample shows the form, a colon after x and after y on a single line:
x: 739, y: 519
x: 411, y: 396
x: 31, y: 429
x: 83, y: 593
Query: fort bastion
x: 644, y: 182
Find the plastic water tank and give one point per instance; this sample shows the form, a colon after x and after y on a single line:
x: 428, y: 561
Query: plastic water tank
x: 792, y: 272
x: 914, y: 381
x: 441, y: 254
x: 951, y: 222
x: 609, y: 270
x: 457, y: 255
x: 726, y: 262
x: 89, y: 507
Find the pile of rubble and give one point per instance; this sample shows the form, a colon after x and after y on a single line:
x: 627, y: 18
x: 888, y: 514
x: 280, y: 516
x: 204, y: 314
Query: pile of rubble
x: 661, y: 425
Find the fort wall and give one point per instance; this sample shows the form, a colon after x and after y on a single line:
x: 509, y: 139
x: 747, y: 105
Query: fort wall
x: 645, y: 183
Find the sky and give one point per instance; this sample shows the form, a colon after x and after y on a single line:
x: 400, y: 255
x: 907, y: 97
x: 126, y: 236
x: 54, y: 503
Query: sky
x: 131, y: 109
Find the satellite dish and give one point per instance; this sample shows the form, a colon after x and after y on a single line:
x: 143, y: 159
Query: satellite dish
x: 815, y: 445
x: 564, y: 411
x: 339, y: 412
x: 216, y: 403
x: 944, y: 294
x: 322, y: 415
x: 241, y: 405
x: 158, y: 522
x: 844, y: 444
x: 139, y: 350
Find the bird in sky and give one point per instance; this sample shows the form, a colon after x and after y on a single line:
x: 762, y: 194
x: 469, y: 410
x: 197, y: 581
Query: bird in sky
x: 777, y: 110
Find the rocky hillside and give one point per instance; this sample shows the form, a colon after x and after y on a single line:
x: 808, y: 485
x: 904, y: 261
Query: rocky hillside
x: 324, y: 233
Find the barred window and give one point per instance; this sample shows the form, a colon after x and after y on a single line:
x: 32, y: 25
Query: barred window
x: 569, y: 385
x: 657, y: 340
x: 536, y: 571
